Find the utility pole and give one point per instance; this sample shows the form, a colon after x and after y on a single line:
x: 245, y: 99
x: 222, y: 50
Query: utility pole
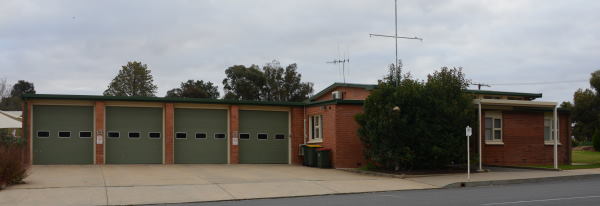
x: 343, y: 62
x: 396, y: 37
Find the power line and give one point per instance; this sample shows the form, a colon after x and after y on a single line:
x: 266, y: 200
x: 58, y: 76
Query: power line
x: 537, y: 83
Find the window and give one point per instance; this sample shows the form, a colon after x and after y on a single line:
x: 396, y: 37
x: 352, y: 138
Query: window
x: 180, y: 135
x: 154, y: 135
x: 493, y: 126
x: 316, y: 128
x: 549, y: 127
x: 64, y: 134
x: 85, y: 134
x: 219, y: 136
x: 279, y: 136
x: 113, y: 134
x: 263, y: 136
x: 200, y: 135
x: 134, y: 135
x: 43, y: 134
x: 244, y: 136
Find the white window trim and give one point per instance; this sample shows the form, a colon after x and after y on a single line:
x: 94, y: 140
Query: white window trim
x: 310, y: 132
x: 91, y: 134
x: 37, y: 133
x: 109, y: 137
x: 550, y: 116
x: 159, y: 135
x: 58, y: 134
x: 216, y: 133
x: 258, y: 134
x: 129, y: 136
x: 494, y: 116
x: 240, y: 136
x: 180, y: 133
x: 196, y: 135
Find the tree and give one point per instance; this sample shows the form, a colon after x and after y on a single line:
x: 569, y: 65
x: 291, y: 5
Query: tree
x: 409, y: 123
x: 284, y: 84
x: 243, y: 83
x: 14, y: 100
x: 273, y: 83
x: 585, y: 112
x: 134, y: 79
x: 195, y: 89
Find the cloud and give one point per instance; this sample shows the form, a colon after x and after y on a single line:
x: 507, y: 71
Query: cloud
x: 76, y: 47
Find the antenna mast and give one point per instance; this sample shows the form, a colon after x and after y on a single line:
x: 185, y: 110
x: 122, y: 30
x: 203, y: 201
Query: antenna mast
x: 343, y: 62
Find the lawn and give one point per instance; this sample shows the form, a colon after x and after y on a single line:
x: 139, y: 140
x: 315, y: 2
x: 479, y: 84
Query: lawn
x: 581, y: 160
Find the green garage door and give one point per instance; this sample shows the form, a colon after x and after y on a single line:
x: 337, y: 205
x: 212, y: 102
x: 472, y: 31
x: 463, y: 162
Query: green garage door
x: 134, y: 135
x: 63, y: 134
x: 200, y: 136
x: 263, y: 137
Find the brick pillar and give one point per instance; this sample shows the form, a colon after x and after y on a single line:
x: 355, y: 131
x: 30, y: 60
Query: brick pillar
x: 297, y: 135
x: 27, y: 133
x: 99, y: 114
x: 234, y: 127
x: 169, y: 130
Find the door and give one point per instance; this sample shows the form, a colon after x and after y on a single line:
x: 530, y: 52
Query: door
x: 264, y: 137
x: 200, y: 136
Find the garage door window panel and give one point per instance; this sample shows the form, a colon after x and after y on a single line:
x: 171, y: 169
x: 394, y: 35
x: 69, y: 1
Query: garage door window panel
x: 219, y: 135
x: 200, y: 135
x: 85, y: 134
x: 154, y: 135
x: 64, y: 134
x: 180, y: 135
x: 43, y: 134
x: 112, y: 134
x: 279, y: 136
x: 262, y: 136
x: 134, y: 135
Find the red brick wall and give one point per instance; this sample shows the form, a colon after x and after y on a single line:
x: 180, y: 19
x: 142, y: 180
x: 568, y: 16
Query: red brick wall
x: 349, y: 93
x: 297, y: 134
x: 234, y: 127
x: 329, y: 127
x: 99, y: 114
x: 349, y: 148
x: 169, y: 130
x: 523, y: 138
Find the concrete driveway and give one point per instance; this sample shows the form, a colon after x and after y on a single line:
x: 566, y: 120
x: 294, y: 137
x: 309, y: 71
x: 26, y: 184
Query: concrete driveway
x: 143, y: 184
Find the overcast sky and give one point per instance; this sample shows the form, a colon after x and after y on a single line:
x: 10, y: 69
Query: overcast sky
x: 77, y: 47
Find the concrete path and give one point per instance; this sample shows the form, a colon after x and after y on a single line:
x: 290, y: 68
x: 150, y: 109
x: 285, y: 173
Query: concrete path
x: 145, y: 184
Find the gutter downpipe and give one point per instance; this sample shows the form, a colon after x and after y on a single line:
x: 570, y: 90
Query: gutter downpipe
x: 555, y: 137
x: 304, y: 124
x: 479, y: 132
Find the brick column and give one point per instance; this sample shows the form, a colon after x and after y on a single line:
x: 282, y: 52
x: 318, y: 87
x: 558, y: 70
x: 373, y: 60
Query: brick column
x: 99, y: 114
x: 297, y: 135
x: 27, y: 133
x: 234, y: 127
x: 169, y: 128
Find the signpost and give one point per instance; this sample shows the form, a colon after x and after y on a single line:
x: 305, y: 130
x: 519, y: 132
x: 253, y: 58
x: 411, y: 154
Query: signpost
x: 469, y: 132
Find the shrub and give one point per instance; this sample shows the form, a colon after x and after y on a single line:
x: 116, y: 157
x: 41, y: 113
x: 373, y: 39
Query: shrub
x: 412, y: 124
x: 596, y: 140
x: 12, y: 167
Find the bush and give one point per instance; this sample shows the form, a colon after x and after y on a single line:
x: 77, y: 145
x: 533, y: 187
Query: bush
x: 12, y: 167
x: 596, y: 141
x: 412, y: 124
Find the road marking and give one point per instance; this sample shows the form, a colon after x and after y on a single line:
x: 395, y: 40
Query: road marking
x: 542, y: 200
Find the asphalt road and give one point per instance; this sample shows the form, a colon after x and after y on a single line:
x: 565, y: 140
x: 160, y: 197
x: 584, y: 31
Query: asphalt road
x: 567, y: 192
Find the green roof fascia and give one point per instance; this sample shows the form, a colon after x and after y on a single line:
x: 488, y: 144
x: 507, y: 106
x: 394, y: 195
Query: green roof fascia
x: 336, y: 101
x: 158, y: 99
x: 339, y: 84
x: 489, y: 92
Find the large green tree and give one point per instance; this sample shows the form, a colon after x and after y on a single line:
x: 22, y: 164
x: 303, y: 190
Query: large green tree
x: 195, y: 89
x: 585, y: 111
x: 413, y: 124
x: 14, y: 101
x: 272, y: 83
x: 134, y: 79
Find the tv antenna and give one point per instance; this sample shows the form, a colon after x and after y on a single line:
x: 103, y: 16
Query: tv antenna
x: 396, y: 37
x: 479, y: 85
x: 343, y: 62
